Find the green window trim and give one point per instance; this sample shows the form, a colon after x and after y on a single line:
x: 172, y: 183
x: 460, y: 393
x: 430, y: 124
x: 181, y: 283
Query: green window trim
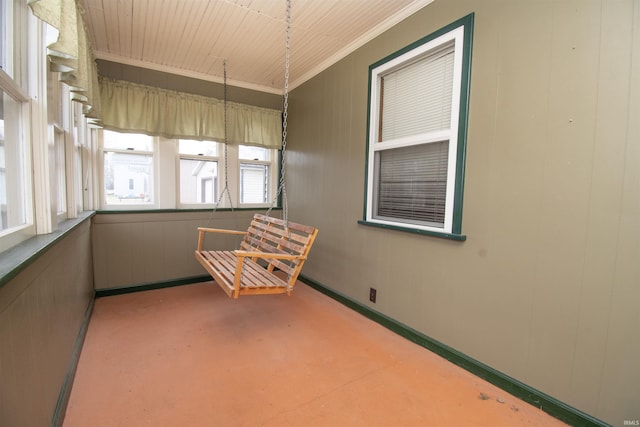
x: 450, y: 236
x: 461, y: 140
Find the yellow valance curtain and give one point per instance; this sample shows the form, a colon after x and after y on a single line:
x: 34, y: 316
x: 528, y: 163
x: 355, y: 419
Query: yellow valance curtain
x: 71, y: 53
x: 145, y: 109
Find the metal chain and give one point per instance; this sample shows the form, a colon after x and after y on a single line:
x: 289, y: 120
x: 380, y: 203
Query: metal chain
x: 282, y: 183
x: 226, y: 156
x: 226, y: 161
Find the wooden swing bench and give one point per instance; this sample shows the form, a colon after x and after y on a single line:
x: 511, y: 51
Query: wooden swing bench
x: 270, y: 244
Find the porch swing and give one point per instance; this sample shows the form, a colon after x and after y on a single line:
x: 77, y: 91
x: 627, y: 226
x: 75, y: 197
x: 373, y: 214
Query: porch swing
x: 273, y: 251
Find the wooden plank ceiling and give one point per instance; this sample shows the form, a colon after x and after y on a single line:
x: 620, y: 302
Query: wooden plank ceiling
x: 194, y: 37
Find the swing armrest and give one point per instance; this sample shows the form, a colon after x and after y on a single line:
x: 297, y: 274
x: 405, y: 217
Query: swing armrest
x: 267, y: 255
x: 202, y: 230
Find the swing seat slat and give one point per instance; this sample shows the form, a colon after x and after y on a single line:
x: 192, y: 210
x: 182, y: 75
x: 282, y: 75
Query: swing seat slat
x: 270, y: 244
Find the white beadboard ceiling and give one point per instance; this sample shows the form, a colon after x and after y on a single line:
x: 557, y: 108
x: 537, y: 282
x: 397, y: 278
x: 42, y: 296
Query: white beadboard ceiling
x: 193, y: 37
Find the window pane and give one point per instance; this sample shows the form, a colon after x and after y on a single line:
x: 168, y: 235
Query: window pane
x: 6, y: 39
x: 127, y: 141
x: 4, y: 42
x: 3, y: 174
x: 417, y: 98
x: 253, y: 183
x: 247, y: 152
x: 13, y: 179
x: 61, y: 171
x: 198, y: 181
x: 198, y: 148
x: 79, y: 140
x: 412, y: 183
x: 128, y: 178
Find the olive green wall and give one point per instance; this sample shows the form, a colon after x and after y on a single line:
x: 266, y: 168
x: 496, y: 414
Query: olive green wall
x: 546, y: 288
x: 168, y: 81
x: 42, y: 311
x: 133, y: 249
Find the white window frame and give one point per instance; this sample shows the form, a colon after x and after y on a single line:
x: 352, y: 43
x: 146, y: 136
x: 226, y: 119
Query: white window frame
x: 75, y: 157
x: 454, y: 33
x: 155, y: 191
x: 217, y: 158
x: 166, y: 185
x: 15, y: 234
x: 272, y: 178
x: 66, y: 118
x: 233, y: 170
x: 59, y: 183
x: 19, y: 47
x: 45, y: 109
x: 6, y: 37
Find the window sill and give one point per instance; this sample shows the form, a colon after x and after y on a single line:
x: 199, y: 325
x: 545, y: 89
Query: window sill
x: 19, y: 257
x: 180, y: 210
x: 450, y: 236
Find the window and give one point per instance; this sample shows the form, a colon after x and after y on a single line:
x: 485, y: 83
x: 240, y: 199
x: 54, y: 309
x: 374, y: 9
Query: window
x: 16, y: 206
x: 255, y: 166
x: 198, y: 172
x: 61, y: 171
x: 66, y: 120
x: 417, y: 134
x: 6, y: 36
x: 201, y: 175
x: 128, y: 169
x: 15, y: 185
x: 190, y: 174
x: 56, y: 104
x: 38, y: 166
x: 80, y: 168
x: 15, y: 40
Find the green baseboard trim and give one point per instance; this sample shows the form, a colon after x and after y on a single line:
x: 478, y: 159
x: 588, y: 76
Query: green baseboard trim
x: 151, y: 286
x: 548, y: 404
x: 65, y: 391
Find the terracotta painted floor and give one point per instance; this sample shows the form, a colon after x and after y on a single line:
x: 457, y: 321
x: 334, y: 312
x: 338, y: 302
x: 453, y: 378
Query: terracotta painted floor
x: 189, y: 356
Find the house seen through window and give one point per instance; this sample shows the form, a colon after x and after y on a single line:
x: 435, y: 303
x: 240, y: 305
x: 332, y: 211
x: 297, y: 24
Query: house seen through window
x: 255, y: 167
x: 198, y: 171
x: 128, y: 168
x: 137, y: 174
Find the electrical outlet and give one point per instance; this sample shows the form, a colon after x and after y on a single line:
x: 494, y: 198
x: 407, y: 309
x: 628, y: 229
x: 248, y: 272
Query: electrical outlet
x: 372, y: 294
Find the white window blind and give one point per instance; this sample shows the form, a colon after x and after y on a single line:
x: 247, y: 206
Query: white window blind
x: 416, y: 98
x: 412, y: 183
